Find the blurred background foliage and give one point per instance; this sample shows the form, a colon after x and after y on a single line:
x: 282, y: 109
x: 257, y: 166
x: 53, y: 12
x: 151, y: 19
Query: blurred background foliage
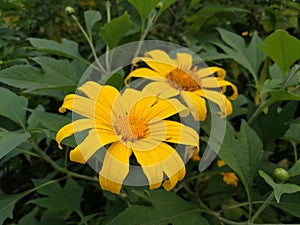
x: 43, y: 54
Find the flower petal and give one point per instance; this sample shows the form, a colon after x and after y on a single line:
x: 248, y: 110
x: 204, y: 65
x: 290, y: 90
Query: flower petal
x: 91, y: 89
x: 209, y: 71
x: 218, y: 98
x: 145, y: 73
x: 184, y: 61
x: 80, y: 105
x: 163, y: 159
x: 196, y: 105
x: 71, y: 128
x: 163, y: 109
x: 211, y: 82
x: 161, y: 89
x: 115, y: 167
x: 95, y: 139
x: 175, y: 132
x: 159, y: 56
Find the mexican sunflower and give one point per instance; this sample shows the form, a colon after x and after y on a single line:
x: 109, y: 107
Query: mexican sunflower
x: 179, y: 77
x: 131, y: 122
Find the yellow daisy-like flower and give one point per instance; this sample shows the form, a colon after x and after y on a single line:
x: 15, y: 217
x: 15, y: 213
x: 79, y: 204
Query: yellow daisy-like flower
x: 132, y: 122
x: 179, y: 77
x: 229, y: 178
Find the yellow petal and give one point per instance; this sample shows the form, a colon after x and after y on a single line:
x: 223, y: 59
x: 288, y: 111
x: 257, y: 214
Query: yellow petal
x: 91, y: 89
x: 174, y: 132
x: 220, y: 163
x: 145, y: 73
x: 115, y: 167
x: 212, y: 82
x: 221, y: 73
x: 184, y: 61
x: 196, y: 105
x: 163, y: 109
x: 163, y: 159
x: 80, y: 105
x: 94, y: 141
x: 159, y: 56
x: 161, y: 89
x: 218, y: 98
x: 71, y: 128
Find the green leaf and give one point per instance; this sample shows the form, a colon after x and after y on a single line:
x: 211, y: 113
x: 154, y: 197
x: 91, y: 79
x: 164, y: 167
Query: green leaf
x: 13, y: 106
x: 10, y: 140
x: 278, y: 47
x: 278, y: 95
x: 293, y: 133
x: 279, y: 189
x: 208, y: 12
x: 91, y: 17
x: 66, y: 199
x: 144, y: 8
x: 295, y: 169
x: 66, y: 48
x: 165, y: 5
x: 7, y: 204
x: 249, y: 56
x: 167, y: 208
x: 290, y: 203
x: 114, y: 31
x: 241, y: 151
x: 55, y: 74
x: 29, y: 218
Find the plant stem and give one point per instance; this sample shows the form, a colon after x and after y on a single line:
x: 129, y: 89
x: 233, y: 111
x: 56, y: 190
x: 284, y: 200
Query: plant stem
x: 89, y: 42
x: 259, y: 109
x: 61, y: 169
x: 261, y: 208
x: 108, y: 16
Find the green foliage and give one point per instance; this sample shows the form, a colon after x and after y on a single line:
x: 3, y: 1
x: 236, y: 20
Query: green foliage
x: 113, y: 31
x: 280, y: 188
x: 44, y: 55
x: 278, y: 47
x: 175, y: 211
x: 241, y: 152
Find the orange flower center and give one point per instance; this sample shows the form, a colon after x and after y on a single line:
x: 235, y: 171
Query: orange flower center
x: 182, y: 80
x: 131, y: 127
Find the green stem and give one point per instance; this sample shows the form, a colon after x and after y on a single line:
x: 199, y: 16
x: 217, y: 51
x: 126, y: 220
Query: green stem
x: 108, y: 16
x: 61, y: 169
x: 259, y: 109
x: 262, y: 207
x: 89, y: 41
x: 295, y: 150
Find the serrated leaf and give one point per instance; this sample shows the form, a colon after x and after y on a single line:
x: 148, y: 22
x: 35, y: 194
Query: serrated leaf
x: 7, y: 204
x: 67, y: 198
x: 114, y: 31
x: 167, y: 208
x: 91, y: 17
x: 249, y: 56
x: 278, y: 47
x: 66, y: 48
x: 10, y: 140
x: 241, y: 151
x: 144, y: 8
x: 279, y: 189
x: 13, y: 106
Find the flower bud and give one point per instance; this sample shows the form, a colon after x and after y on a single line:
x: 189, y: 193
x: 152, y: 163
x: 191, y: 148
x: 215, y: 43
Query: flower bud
x: 281, y: 175
x: 69, y: 10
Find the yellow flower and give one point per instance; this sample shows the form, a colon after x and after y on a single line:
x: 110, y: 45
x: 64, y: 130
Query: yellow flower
x: 132, y: 122
x: 179, y: 77
x: 229, y: 178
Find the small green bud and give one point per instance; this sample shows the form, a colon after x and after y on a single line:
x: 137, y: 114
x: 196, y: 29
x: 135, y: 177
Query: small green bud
x: 69, y: 10
x: 159, y: 5
x: 281, y: 175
